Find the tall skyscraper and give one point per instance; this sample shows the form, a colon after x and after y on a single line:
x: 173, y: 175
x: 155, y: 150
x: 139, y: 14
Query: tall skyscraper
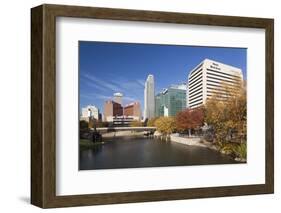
x: 149, y: 99
x: 210, y: 78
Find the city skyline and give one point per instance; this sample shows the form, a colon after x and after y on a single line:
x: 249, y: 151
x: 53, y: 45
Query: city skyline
x: 130, y: 64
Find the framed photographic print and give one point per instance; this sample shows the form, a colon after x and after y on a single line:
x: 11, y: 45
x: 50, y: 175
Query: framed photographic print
x: 136, y: 106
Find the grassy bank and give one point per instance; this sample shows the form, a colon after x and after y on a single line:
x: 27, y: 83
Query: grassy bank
x: 87, y: 143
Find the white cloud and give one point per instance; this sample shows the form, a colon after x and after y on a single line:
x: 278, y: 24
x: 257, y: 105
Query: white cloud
x: 96, y: 86
x: 104, y: 89
x: 102, y: 83
x: 141, y: 82
x: 103, y: 97
x: 127, y: 98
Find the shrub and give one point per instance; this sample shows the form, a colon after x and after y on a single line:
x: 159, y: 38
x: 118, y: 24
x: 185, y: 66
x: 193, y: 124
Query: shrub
x: 241, y: 150
x: 234, y: 149
x: 102, y: 124
x: 83, y: 124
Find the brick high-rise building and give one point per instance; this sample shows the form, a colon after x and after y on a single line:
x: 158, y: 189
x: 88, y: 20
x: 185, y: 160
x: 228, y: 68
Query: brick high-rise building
x: 133, y: 110
x: 117, y: 97
x: 111, y: 110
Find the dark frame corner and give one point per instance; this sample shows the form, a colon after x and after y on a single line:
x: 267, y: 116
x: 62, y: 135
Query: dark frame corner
x: 43, y: 102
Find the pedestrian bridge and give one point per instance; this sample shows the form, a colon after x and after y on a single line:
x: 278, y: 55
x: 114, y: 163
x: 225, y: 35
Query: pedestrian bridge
x: 117, y: 129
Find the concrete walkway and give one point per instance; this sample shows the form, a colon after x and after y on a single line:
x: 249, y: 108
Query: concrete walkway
x: 191, y: 141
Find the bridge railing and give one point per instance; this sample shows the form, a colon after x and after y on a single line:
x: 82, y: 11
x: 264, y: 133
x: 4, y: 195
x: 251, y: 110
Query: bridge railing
x: 124, y: 128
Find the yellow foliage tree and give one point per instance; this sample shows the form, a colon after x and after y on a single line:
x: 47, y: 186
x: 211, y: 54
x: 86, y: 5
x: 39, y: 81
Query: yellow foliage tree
x: 165, y: 125
x: 136, y: 124
x: 151, y: 122
x: 228, y: 112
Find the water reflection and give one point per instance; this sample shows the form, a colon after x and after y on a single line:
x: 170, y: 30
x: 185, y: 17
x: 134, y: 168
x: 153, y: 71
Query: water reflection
x: 146, y: 152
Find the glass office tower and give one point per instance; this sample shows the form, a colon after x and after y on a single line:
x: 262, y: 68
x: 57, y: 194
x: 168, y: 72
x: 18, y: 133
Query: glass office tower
x: 170, y: 101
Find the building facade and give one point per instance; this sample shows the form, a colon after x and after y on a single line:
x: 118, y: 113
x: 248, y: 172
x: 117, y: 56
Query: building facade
x: 117, y: 97
x: 89, y: 111
x: 117, y: 115
x: 133, y: 110
x: 112, y: 109
x: 149, y: 99
x: 210, y: 79
x: 170, y: 101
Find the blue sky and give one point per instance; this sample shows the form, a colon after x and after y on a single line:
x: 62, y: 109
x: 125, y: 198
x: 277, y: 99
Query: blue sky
x: 107, y: 67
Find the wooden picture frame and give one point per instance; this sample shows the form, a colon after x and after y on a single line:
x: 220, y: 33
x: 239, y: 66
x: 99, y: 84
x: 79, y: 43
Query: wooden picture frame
x: 43, y: 105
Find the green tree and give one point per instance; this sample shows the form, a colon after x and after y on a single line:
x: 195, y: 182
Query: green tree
x: 83, y: 124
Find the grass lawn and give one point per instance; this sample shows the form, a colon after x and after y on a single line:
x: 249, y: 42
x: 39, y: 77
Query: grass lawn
x: 87, y: 143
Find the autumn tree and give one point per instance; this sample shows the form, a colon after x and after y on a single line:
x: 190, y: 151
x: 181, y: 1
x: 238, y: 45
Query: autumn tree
x: 102, y: 124
x: 136, y: 124
x: 189, y: 119
x: 165, y: 125
x: 228, y: 112
x: 151, y: 122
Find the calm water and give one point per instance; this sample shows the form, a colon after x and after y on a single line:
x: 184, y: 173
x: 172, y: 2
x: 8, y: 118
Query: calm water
x: 147, y: 152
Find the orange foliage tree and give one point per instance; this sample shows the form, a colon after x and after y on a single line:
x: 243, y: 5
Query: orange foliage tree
x: 189, y: 119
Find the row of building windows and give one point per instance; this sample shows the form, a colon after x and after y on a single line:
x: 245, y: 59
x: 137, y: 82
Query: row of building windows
x: 195, y: 81
x: 227, y: 74
x: 194, y: 93
x: 211, y: 89
x: 210, y: 97
x: 195, y: 76
x: 219, y: 79
x: 195, y: 85
x: 225, y: 86
x: 221, y: 86
x: 195, y: 88
x: 195, y: 100
x: 195, y: 97
x: 224, y: 77
x: 196, y: 103
x: 216, y: 82
x: 227, y: 95
x: 195, y: 70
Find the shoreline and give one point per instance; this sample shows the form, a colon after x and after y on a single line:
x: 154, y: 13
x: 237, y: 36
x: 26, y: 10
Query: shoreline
x: 197, y: 141
x: 173, y: 138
